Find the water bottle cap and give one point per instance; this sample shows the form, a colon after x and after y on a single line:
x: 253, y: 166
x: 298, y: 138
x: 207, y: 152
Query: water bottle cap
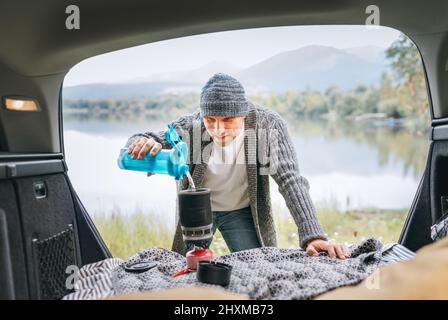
x: 171, y: 136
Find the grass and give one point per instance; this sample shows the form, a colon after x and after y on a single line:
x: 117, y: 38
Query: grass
x: 125, y: 235
x: 347, y: 226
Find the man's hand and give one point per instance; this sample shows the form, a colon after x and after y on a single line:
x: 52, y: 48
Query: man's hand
x: 140, y: 147
x: 334, y: 250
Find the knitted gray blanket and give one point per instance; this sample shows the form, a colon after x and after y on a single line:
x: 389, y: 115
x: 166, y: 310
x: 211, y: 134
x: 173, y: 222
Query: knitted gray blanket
x: 261, y: 273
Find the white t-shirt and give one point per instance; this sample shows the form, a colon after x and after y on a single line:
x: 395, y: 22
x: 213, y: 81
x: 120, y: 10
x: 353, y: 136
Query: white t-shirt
x: 226, y: 176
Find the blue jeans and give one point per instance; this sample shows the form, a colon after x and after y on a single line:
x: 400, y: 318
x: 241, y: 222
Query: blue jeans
x: 237, y: 228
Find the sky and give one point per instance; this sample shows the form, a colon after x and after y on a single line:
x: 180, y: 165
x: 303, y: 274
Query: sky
x: 241, y: 48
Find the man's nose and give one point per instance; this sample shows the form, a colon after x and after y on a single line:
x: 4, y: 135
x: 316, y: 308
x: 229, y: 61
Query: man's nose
x: 220, y: 129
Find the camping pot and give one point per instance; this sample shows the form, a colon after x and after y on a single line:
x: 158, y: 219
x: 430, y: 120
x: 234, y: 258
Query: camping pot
x: 196, y: 255
x: 196, y: 217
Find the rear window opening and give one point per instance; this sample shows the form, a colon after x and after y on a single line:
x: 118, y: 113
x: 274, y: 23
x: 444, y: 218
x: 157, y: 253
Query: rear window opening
x: 354, y: 101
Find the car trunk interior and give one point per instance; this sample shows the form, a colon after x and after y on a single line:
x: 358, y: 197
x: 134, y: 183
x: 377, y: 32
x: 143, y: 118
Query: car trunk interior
x: 44, y: 227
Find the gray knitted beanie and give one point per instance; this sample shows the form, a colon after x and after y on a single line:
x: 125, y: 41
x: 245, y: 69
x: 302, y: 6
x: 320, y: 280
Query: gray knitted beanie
x: 223, y: 95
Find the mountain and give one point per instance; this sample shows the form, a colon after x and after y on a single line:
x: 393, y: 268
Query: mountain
x: 195, y: 76
x: 369, y: 53
x: 170, y: 82
x: 314, y: 67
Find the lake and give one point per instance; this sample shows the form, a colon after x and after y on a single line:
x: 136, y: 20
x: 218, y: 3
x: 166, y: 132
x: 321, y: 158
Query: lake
x: 348, y: 166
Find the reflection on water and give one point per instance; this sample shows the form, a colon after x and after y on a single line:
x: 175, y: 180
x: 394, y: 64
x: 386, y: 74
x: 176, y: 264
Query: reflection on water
x: 348, y: 165
x: 360, y: 147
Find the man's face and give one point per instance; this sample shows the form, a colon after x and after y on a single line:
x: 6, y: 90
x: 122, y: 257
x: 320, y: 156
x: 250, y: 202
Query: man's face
x: 223, y: 129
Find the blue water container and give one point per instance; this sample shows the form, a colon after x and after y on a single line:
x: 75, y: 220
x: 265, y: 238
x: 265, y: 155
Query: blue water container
x: 172, y: 162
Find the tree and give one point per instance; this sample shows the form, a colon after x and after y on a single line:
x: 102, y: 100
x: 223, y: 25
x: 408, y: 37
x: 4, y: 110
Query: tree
x: 409, y: 77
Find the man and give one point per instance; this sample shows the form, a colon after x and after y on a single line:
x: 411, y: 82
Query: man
x: 249, y: 144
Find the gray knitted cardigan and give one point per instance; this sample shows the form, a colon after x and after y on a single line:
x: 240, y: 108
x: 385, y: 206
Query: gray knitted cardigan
x: 293, y: 187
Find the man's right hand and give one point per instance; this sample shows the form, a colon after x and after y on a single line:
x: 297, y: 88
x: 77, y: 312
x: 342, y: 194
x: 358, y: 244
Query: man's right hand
x: 140, y: 147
